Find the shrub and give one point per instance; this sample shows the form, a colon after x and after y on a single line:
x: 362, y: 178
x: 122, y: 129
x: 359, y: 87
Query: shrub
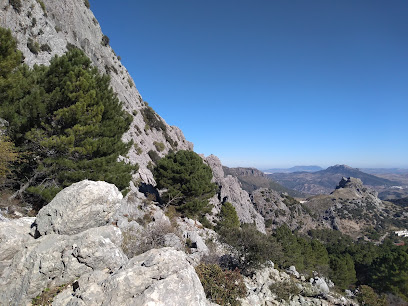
x: 58, y: 29
x: 151, y: 237
x: 152, y: 120
x: 45, y: 48
x: 33, y: 46
x: 16, y: 4
x: 187, y: 180
x: 130, y: 82
x: 105, y: 40
x: 228, y: 216
x: 285, y: 290
x: 48, y: 295
x: 367, y: 296
x: 8, y: 155
x: 159, y: 146
x: 153, y: 156
x: 251, y: 248
x: 221, y: 287
x: 86, y: 2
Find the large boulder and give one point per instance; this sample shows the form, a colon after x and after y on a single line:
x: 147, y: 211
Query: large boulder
x: 157, y: 277
x: 55, y: 260
x: 81, y: 206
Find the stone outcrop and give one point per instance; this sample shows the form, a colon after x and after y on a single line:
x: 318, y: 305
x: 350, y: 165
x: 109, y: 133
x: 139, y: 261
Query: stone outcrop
x: 157, y: 277
x: 62, y: 23
x: 269, y: 286
x: 54, y: 260
x: 89, y: 260
x: 81, y: 206
x: 231, y: 191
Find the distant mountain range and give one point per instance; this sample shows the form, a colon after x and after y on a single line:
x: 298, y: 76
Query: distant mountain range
x: 324, y: 181
x: 294, y: 169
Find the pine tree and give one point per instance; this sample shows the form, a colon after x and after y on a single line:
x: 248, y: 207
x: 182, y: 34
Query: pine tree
x: 187, y: 180
x: 69, y: 120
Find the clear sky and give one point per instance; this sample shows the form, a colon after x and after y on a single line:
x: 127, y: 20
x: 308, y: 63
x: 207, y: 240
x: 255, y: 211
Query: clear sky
x: 272, y: 83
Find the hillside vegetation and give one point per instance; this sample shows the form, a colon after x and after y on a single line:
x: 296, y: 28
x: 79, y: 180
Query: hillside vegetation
x: 64, y: 119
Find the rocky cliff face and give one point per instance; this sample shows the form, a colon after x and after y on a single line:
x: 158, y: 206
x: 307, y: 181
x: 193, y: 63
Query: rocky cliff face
x: 54, y: 26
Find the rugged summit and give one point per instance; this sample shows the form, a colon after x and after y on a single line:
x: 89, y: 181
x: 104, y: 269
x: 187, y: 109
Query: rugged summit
x: 56, y: 25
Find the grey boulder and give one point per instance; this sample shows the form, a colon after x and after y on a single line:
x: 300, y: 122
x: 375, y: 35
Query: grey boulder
x: 81, y: 206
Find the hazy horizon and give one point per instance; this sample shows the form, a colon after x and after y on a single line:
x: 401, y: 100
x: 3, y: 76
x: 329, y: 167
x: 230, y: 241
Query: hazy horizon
x: 278, y: 83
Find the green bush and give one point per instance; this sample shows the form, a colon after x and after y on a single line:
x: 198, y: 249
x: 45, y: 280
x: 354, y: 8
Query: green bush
x: 16, y: 4
x: 285, y: 290
x: 45, y: 48
x: 221, y: 287
x: 251, y: 247
x: 33, y: 46
x: 228, y: 217
x: 367, y: 296
x: 152, y: 120
x: 105, y: 40
x: 159, y: 146
x: 86, y: 2
x: 187, y: 180
x: 153, y: 156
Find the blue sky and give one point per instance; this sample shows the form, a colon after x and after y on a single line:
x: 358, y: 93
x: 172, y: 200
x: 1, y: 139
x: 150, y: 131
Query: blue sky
x: 272, y: 83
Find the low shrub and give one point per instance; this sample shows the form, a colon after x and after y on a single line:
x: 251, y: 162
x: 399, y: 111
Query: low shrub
x: 86, y: 2
x: 105, y: 40
x: 16, y: 4
x: 153, y: 156
x: 159, y: 146
x: 221, y: 287
x: 33, y: 46
x: 285, y: 290
x: 45, y: 48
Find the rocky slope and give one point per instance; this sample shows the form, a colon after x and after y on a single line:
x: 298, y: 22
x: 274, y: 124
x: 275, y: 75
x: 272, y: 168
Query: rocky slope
x: 353, y: 208
x: 125, y: 251
x: 58, y: 24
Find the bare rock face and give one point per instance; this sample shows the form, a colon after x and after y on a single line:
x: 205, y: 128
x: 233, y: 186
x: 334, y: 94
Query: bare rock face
x: 81, y: 206
x: 59, y: 24
x: 54, y: 260
x: 14, y: 234
x: 157, y: 277
x: 231, y: 191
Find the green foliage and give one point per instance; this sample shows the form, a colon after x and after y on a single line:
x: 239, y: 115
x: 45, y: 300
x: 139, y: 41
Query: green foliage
x: 153, y: 156
x: 228, y: 217
x: 342, y: 271
x: 390, y: 271
x: 221, y: 287
x: 16, y: 4
x: 367, y: 296
x: 8, y: 155
x: 252, y: 248
x: 45, y: 48
x: 152, y: 120
x: 33, y: 46
x: 105, y: 40
x: 187, y: 180
x: 86, y: 2
x: 69, y: 120
x: 159, y: 146
x: 285, y: 290
x: 48, y: 295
